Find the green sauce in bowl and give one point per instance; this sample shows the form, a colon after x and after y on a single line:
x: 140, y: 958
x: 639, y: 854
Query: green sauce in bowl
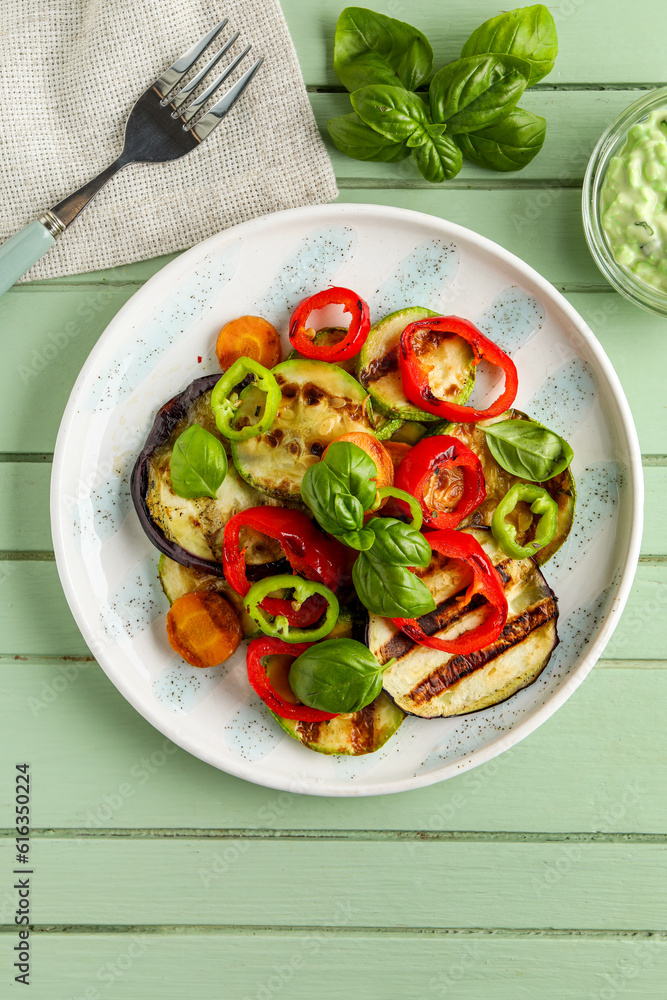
x: 633, y: 202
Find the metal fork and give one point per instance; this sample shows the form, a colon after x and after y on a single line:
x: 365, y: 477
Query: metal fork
x: 163, y: 125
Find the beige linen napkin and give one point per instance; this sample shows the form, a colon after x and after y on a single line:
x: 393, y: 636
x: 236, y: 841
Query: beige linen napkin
x: 70, y: 71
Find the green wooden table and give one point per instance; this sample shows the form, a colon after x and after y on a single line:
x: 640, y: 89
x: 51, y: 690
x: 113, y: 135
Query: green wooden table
x: 539, y: 875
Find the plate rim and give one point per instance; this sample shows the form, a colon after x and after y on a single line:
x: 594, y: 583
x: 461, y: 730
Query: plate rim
x: 323, y: 214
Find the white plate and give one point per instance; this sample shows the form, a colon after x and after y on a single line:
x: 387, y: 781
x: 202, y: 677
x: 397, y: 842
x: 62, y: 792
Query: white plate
x: 165, y: 336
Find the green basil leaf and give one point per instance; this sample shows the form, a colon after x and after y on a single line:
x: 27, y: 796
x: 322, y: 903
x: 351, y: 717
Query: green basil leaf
x: 356, y: 139
x: 336, y: 675
x: 478, y: 91
x: 371, y: 48
x: 390, y: 591
x: 392, y: 111
x: 354, y: 469
x: 361, y: 540
x: 508, y: 145
x: 198, y: 464
x: 398, y: 543
x: 439, y: 159
x: 527, y: 32
x: 527, y: 449
x: 322, y: 492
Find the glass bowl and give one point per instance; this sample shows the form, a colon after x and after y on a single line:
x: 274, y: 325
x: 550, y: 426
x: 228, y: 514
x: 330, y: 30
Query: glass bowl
x: 610, y: 144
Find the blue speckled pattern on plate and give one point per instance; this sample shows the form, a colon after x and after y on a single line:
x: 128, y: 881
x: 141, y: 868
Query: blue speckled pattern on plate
x: 151, y: 351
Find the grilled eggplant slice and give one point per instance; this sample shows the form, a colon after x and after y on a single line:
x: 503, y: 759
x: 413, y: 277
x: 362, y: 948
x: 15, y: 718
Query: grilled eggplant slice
x: 498, y: 482
x: 320, y: 402
x: 354, y: 734
x: 378, y: 367
x: 431, y: 683
x: 191, y: 531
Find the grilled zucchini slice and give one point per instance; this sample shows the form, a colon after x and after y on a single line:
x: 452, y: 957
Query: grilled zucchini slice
x: 319, y: 403
x: 378, y: 367
x: 353, y: 734
x: 498, y: 482
x: 431, y: 683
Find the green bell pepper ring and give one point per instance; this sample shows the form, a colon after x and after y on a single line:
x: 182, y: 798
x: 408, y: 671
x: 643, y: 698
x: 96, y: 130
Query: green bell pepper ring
x: 405, y: 498
x: 541, y: 504
x: 279, y: 627
x: 224, y: 408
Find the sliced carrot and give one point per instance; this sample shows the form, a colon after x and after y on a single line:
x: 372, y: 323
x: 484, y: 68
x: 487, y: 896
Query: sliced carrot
x: 248, y: 337
x: 397, y: 451
x: 203, y: 628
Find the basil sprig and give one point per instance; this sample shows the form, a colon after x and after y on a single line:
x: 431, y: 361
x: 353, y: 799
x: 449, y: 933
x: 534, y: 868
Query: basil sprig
x: 339, y: 491
x: 198, y: 464
x: 337, y: 675
x: 472, y: 101
x: 527, y: 449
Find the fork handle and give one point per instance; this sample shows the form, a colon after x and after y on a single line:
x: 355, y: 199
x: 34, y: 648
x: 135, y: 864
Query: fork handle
x: 22, y: 250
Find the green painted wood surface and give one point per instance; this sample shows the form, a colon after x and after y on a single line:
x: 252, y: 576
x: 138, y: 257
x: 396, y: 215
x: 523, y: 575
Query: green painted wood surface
x: 137, y: 965
x: 555, y: 850
x: 251, y: 882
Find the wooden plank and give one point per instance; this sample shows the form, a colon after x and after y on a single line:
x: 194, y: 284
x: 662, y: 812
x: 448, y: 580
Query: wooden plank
x: 597, y: 766
x: 28, y: 586
x: 595, y: 45
x: 260, y: 966
x: 24, y: 501
x: 575, y: 122
x: 298, y: 883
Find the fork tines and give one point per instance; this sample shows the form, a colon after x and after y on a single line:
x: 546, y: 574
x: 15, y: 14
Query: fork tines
x: 179, y: 69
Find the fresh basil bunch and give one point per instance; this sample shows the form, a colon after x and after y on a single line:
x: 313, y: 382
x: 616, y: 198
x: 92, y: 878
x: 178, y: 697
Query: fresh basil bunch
x: 472, y: 102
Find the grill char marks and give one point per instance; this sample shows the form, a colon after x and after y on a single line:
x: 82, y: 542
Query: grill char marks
x: 461, y: 666
x: 380, y: 367
x: 447, y: 613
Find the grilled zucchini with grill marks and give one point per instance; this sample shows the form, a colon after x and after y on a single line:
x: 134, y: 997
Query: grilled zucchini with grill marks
x: 320, y: 402
x: 452, y: 375
x: 498, y: 482
x: 354, y: 734
x: 431, y: 683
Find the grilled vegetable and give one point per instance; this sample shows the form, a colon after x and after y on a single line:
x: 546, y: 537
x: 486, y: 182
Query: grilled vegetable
x: 250, y: 337
x: 191, y: 531
x: 328, y: 335
x: 302, y: 337
x: 378, y: 367
x: 319, y: 403
x: 354, y: 734
x: 445, y: 477
x: 177, y: 580
x: 422, y: 367
x: 430, y: 683
x: 203, y: 628
x: 498, y: 482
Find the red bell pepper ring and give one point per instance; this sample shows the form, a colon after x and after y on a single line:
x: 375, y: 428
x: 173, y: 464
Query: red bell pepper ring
x: 486, y: 581
x: 308, y: 552
x: 424, y: 464
x: 353, y: 340
x: 257, y: 650
x: 415, y: 374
